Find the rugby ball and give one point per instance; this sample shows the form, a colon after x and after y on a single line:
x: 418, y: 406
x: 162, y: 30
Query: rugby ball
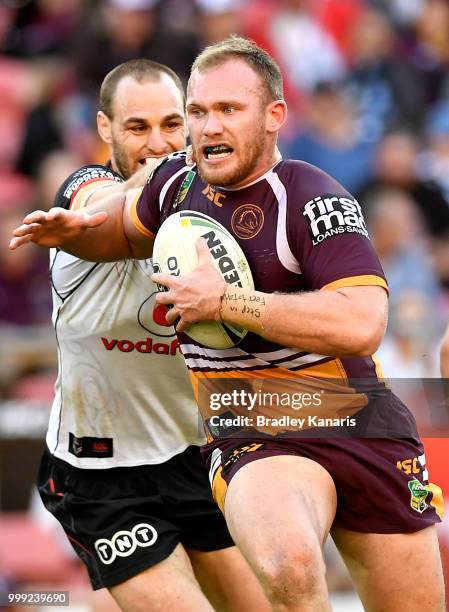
x: 174, y: 252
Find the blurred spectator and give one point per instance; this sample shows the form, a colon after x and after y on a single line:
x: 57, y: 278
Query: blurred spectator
x: 428, y: 48
x: 401, y: 12
x: 396, y: 165
x: 434, y: 168
x: 41, y: 27
x: 409, y: 349
x: 399, y: 237
x: 291, y: 31
x: 387, y: 91
x: 44, y: 130
x: 331, y: 139
x: 305, y: 49
x: 338, y: 19
x: 16, y: 86
x: 27, y: 345
x: 116, y: 31
x: 25, y: 297
x: 52, y: 172
x: 218, y: 19
x: 434, y: 162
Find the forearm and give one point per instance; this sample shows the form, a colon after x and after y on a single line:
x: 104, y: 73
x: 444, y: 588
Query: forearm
x: 116, y: 238
x: 323, y: 322
x: 105, y: 242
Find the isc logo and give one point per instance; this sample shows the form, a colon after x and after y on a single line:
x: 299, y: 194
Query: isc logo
x: 124, y: 543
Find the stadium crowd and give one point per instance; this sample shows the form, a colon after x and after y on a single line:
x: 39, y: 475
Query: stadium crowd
x: 367, y: 83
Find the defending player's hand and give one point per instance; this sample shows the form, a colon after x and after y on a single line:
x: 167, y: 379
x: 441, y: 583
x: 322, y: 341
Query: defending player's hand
x: 190, y: 156
x: 54, y: 228
x: 195, y: 296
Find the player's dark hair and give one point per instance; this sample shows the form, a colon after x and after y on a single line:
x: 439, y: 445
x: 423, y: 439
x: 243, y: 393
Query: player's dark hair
x: 140, y: 70
x: 247, y: 50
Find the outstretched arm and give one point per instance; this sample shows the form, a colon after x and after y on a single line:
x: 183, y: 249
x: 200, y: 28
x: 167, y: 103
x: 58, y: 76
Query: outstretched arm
x: 100, y: 231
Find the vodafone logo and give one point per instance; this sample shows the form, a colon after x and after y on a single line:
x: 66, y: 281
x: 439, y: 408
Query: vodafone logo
x: 152, y: 318
x: 124, y: 543
x: 141, y: 346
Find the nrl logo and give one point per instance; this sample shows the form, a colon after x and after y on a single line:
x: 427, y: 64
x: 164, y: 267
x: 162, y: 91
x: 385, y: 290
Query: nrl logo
x: 185, y: 186
x: 418, y: 495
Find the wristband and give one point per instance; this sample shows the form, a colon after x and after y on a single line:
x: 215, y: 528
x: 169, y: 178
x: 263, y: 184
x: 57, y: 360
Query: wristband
x: 244, y: 307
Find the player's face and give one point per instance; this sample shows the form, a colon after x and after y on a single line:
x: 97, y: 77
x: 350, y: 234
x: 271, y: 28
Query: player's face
x: 148, y: 121
x: 227, y: 121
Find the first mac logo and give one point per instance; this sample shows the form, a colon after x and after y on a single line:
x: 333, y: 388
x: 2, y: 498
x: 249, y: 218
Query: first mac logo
x: 332, y: 215
x: 124, y: 543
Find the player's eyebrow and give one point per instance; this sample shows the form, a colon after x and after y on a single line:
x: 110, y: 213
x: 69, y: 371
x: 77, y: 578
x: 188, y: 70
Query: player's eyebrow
x: 166, y: 118
x: 174, y: 116
x: 217, y: 104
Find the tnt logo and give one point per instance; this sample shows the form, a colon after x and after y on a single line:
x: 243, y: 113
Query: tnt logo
x: 333, y: 215
x: 124, y: 543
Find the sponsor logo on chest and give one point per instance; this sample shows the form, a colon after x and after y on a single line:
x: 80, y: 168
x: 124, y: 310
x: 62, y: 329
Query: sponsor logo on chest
x: 141, y: 346
x: 332, y: 215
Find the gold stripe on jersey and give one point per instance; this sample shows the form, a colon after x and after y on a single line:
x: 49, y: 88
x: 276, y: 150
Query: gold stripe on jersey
x: 83, y: 193
x: 437, y: 501
x: 378, y: 367
x: 357, y: 281
x: 135, y: 217
x: 219, y: 489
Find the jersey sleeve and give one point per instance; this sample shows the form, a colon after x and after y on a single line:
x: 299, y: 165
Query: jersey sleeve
x: 79, y: 186
x: 151, y: 205
x: 327, y: 232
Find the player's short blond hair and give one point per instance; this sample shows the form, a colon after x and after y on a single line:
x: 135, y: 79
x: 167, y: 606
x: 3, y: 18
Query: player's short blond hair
x: 237, y: 47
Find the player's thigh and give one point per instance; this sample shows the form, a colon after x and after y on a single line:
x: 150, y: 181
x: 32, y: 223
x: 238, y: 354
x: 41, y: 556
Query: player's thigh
x: 280, y: 509
x: 228, y: 581
x: 394, y: 571
x: 168, y: 585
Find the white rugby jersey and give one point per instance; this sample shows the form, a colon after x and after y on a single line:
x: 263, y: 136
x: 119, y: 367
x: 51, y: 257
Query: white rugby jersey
x: 123, y: 396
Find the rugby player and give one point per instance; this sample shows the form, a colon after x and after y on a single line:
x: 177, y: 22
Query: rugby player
x: 316, y: 317
x: 122, y: 471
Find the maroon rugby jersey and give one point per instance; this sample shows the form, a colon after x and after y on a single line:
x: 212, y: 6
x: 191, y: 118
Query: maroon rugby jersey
x: 300, y: 231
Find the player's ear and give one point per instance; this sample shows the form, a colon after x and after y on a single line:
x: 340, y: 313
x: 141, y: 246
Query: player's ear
x: 104, y: 127
x: 276, y: 114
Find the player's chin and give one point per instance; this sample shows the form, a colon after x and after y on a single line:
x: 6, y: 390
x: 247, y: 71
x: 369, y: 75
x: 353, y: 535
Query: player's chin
x: 216, y: 175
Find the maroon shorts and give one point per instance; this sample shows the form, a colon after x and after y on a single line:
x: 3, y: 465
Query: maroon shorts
x: 382, y: 484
